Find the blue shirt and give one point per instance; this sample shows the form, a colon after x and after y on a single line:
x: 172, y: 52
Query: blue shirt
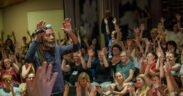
x: 125, y: 69
x: 32, y: 56
x: 16, y: 90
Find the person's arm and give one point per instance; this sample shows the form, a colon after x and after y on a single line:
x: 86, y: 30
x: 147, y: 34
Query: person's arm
x: 87, y: 93
x: 118, y: 33
x: 131, y: 90
x: 147, y: 44
x: 68, y: 29
x: 28, y: 33
x: 78, y: 89
x: 100, y: 91
x: 66, y: 90
x: 12, y: 90
x: 64, y: 67
x: 84, y: 65
x: 106, y: 64
x: 142, y: 28
x: 123, y: 92
x: 139, y: 45
x: 90, y: 54
x: 157, y: 64
x: 147, y: 79
x: 171, y: 83
x: 79, y: 37
x: 33, y: 47
x: 106, y: 26
x: 14, y: 38
x: 159, y: 53
x: 130, y: 77
x: 161, y: 68
x: 16, y: 68
x: 175, y: 68
x: 31, y: 51
x: 2, y: 38
x: 141, y: 71
x: 25, y: 71
x: 32, y: 67
x: 85, y: 39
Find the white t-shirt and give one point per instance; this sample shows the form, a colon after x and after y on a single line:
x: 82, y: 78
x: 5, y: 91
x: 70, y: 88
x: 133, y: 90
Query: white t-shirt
x: 137, y: 63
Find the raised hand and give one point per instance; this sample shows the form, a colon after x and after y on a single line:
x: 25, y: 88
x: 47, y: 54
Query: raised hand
x: 178, y: 17
x: 114, y: 21
x: 67, y: 25
x: 105, y: 21
x: 42, y: 85
x: 117, y: 28
x: 167, y: 68
x: 28, y: 32
x: 79, y: 53
x: 40, y: 26
x: 162, y: 20
x: 104, y: 50
x: 147, y: 42
x: 13, y: 33
x: 142, y: 27
x: 136, y: 30
x: 85, y: 39
x: 90, y: 53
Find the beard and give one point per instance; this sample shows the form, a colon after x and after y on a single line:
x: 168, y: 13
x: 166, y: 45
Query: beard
x: 49, y: 44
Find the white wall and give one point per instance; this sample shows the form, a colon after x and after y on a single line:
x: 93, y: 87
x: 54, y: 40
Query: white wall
x: 15, y: 17
x: 53, y: 17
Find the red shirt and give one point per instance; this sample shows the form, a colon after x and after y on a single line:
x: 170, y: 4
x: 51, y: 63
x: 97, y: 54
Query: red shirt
x: 12, y: 72
x: 152, y: 67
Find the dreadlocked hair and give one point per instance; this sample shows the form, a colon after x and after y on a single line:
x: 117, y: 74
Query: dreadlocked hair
x: 41, y: 54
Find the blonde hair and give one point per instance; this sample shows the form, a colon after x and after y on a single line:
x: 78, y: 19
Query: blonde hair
x: 7, y: 77
x: 84, y: 75
x: 121, y: 74
x: 145, y: 88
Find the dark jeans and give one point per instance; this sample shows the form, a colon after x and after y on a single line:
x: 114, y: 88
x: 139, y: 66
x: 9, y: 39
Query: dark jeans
x: 107, y: 38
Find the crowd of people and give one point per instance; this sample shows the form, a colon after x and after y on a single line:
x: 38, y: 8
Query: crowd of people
x: 141, y: 65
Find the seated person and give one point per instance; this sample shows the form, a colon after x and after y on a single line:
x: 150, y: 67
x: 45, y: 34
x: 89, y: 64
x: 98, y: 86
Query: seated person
x: 8, y: 89
x: 23, y: 86
x: 27, y: 68
x: 83, y: 86
x: 120, y: 88
x: 126, y: 67
x: 9, y: 68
